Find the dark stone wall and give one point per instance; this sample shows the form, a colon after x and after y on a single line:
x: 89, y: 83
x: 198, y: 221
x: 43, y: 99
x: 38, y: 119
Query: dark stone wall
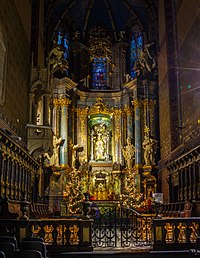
x: 17, y: 67
x: 179, y: 88
x: 189, y: 56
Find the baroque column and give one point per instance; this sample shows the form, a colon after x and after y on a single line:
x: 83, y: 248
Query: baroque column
x: 64, y: 103
x: 82, y: 127
x: 128, y: 112
x: 137, y: 113
x: 56, y: 118
x: 117, y: 155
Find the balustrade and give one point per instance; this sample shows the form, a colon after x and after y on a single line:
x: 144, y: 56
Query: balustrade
x: 60, y: 235
x: 175, y: 233
x: 17, y: 168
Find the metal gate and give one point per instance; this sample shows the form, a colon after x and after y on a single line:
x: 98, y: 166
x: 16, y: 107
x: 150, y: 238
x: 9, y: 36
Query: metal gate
x: 116, y: 226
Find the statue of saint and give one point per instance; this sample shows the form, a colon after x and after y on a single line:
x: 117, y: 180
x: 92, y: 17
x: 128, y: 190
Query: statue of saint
x: 100, y: 148
x: 101, y: 136
x: 149, y: 146
x: 56, y: 59
x: 146, y: 61
x: 54, y: 159
x: 74, y: 150
x: 128, y: 153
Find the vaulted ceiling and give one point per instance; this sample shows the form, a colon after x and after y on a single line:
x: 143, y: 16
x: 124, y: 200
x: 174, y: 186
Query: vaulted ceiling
x: 116, y: 15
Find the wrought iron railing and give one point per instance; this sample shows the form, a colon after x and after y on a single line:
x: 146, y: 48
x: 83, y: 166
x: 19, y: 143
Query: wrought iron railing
x: 116, y: 226
x: 113, y: 227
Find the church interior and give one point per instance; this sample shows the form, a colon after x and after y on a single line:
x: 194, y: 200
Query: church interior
x: 99, y: 107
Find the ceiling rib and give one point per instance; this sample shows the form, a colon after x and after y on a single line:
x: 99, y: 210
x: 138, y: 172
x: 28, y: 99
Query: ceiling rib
x: 133, y: 12
x: 87, y: 16
x: 69, y: 7
x: 111, y: 18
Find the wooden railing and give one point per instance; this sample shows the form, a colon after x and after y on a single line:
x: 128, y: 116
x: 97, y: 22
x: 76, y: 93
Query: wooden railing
x: 18, y: 172
x: 175, y: 233
x: 178, y: 209
x: 60, y: 235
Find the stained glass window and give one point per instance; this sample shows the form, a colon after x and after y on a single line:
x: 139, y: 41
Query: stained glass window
x: 62, y: 40
x: 133, y: 52
x: 99, y: 73
x: 136, y: 46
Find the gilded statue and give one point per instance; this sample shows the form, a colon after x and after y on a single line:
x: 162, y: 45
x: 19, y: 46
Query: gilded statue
x: 149, y: 145
x: 128, y: 153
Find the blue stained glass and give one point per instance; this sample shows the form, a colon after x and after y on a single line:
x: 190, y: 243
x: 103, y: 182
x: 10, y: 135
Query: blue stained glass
x: 99, y: 73
x: 139, y: 41
x: 133, y: 56
x: 135, y: 47
x: 59, y: 40
x: 63, y: 41
x: 65, y: 55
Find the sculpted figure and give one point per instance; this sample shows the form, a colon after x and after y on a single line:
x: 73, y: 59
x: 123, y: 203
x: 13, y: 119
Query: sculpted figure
x: 149, y: 146
x: 128, y: 153
x: 146, y: 61
x: 100, y: 148
x: 56, y: 146
x: 74, y: 149
x: 56, y: 59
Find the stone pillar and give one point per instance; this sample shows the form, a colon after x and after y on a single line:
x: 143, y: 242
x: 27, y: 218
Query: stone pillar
x: 56, y: 118
x: 152, y: 115
x: 64, y: 103
x: 117, y: 153
x: 51, y: 114
x: 46, y: 109
x: 138, y: 140
x: 82, y: 129
x: 128, y: 112
x: 31, y: 104
x: 92, y: 145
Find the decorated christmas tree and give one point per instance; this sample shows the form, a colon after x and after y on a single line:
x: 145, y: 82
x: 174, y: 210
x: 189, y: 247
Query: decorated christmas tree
x: 73, y: 192
x: 131, y: 196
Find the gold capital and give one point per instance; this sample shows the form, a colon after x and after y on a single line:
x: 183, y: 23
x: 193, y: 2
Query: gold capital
x: 117, y: 112
x: 56, y: 102
x: 65, y: 102
x: 82, y: 112
x: 128, y: 110
x: 136, y: 103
